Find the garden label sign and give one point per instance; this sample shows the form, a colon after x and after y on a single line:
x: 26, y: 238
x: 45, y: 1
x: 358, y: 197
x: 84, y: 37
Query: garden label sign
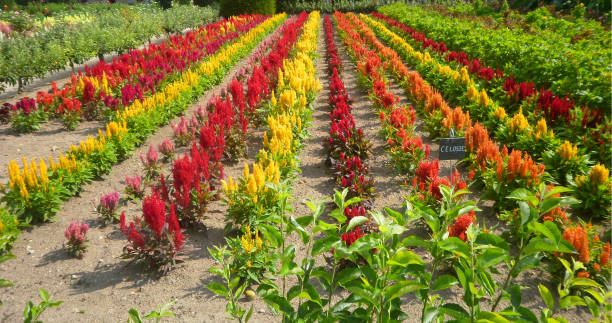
x: 452, y: 148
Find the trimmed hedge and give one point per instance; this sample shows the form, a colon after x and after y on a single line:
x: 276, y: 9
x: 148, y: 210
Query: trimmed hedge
x: 237, y: 7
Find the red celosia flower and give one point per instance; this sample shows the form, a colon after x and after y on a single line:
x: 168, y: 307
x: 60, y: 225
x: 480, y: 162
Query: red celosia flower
x: 154, y: 212
x: 461, y: 224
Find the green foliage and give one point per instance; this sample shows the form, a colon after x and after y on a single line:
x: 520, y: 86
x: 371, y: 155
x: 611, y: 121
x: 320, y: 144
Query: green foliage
x: 9, y: 231
x: 97, y: 31
x: 32, y: 312
x: 3, y: 282
x: 291, y: 6
x: 578, y: 66
x: 237, y: 7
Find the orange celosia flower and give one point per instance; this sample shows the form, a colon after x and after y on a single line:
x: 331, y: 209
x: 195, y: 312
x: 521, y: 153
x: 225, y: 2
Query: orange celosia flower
x: 582, y: 274
x: 578, y: 238
x: 604, y: 257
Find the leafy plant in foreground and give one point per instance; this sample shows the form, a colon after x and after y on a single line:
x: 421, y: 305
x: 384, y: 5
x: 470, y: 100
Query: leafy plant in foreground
x: 32, y: 312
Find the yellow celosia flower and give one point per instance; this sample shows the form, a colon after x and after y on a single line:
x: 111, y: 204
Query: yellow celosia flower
x: 599, y: 174
x: 542, y: 130
x: 247, y: 240
x: 43, y: 172
x: 246, y: 171
x: 500, y: 114
x: 518, y: 122
x: 567, y: 151
x: 472, y: 93
x: 252, y: 185
x: 465, y: 77
x: 484, y: 98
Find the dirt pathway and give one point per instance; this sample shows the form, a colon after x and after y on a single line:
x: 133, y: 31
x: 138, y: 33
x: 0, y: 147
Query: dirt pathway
x: 386, y: 181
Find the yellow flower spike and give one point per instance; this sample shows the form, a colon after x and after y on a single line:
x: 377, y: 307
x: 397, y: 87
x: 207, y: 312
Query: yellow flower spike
x: 252, y: 185
x: 518, y: 122
x: 500, y: 114
x: 1, y: 227
x: 472, y: 93
x: 542, y: 129
x: 258, y: 240
x: 23, y: 191
x: 224, y: 185
x: 281, y: 81
x: 599, y: 174
x: 43, y: 172
x: 266, y: 143
x: 567, y: 151
x: 484, y: 98
x: 273, y: 99
x: 247, y: 241
x: 465, y: 77
x: 246, y: 171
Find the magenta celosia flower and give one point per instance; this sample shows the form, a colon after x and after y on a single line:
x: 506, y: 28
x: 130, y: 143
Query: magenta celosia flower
x: 167, y: 147
x: 152, y: 156
x: 76, y: 234
x: 133, y: 184
x: 110, y: 201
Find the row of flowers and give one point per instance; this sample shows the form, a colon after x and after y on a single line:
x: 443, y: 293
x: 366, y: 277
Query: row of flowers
x: 506, y: 173
x: 258, y: 199
x: 581, y: 240
x: 348, y: 149
x: 585, y: 127
x: 36, y: 191
x: 180, y: 199
x: 411, y: 156
x: 564, y: 163
x: 100, y: 90
x: 541, y: 63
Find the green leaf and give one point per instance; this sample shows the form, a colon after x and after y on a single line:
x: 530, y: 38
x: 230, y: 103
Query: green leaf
x: 549, y: 204
x: 404, y: 258
x: 414, y: 241
x: 249, y: 314
x: 401, y: 288
x: 44, y: 295
x: 338, y: 215
x: 444, y: 282
x: 490, y: 257
x: 454, y: 310
x: 571, y: 301
x: 398, y: 217
x: 355, y: 222
x: 455, y: 245
x: 581, y: 281
x: 279, y: 303
x: 323, y: 245
x: 556, y: 190
x: 218, y: 289
x: 5, y: 283
x: 522, y: 194
x: 547, y: 297
x: 525, y: 212
x: 134, y: 315
x: 492, y: 317
x: 347, y: 274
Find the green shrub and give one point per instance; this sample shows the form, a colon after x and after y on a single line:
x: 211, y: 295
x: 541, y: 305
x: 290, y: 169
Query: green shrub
x: 203, y: 3
x: 237, y: 7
